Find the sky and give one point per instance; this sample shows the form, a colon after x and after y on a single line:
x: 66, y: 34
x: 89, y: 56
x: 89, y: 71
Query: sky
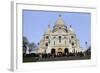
x: 35, y: 24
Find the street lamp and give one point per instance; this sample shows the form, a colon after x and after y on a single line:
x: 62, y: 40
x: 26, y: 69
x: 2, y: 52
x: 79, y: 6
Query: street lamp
x: 86, y: 44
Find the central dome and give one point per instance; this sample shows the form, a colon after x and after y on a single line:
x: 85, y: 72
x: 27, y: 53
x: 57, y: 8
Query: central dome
x: 60, y: 21
x: 60, y: 25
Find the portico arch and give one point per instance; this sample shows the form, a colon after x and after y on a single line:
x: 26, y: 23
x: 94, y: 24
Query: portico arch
x: 53, y: 51
x: 66, y: 50
x: 59, y: 50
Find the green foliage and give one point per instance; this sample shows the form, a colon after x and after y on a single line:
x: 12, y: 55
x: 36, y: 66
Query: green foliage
x: 26, y: 44
x: 32, y: 46
x: 25, y: 41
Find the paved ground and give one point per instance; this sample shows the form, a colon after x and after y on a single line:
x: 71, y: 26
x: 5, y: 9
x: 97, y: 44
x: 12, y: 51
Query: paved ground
x: 36, y: 59
x: 64, y: 58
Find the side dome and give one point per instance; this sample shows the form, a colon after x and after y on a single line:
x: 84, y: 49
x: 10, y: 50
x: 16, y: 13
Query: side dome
x: 71, y: 30
x: 48, y: 30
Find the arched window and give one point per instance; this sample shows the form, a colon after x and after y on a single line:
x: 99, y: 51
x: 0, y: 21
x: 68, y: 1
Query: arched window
x: 53, y: 51
x: 59, y: 27
x: 47, y: 37
x: 59, y: 39
x: 72, y: 37
x: 73, y: 44
x: 46, y: 44
x: 66, y: 50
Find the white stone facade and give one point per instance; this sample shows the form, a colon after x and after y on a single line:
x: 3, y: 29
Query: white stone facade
x: 62, y: 39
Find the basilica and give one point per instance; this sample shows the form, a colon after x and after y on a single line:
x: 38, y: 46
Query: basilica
x: 61, y: 39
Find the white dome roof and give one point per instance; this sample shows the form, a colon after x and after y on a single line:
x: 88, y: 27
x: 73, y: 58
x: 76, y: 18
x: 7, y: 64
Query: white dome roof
x: 71, y: 30
x: 48, y: 30
x: 59, y: 21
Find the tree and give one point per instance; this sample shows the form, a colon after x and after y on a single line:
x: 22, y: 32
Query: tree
x: 25, y: 44
x: 32, y: 47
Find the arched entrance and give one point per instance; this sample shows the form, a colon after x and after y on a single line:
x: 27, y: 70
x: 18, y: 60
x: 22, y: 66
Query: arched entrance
x: 53, y: 51
x: 59, y: 49
x: 66, y: 51
x: 59, y: 52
